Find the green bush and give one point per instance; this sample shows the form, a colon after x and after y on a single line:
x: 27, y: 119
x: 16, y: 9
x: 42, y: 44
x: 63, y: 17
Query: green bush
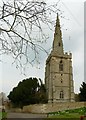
x: 3, y: 115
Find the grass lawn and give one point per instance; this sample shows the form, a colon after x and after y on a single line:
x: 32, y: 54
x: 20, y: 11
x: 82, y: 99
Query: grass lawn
x: 74, y: 113
x: 69, y: 115
x: 3, y: 115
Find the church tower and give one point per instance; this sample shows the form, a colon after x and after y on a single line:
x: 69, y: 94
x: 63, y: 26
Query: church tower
x: 58, y: 71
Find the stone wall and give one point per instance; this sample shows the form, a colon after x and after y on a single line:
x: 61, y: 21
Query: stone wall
x: 46, y: 108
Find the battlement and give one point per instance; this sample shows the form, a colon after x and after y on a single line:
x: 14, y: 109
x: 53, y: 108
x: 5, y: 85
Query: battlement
x: 68, y: 54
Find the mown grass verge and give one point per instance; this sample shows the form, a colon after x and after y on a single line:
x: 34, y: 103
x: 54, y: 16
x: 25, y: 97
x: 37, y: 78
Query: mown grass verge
x: 74, y: 113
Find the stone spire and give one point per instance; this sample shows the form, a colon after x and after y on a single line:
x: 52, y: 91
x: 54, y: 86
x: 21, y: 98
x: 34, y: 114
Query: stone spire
x: 57, y: 43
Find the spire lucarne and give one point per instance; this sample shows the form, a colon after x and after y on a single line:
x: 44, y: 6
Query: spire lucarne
x: 57, y: 43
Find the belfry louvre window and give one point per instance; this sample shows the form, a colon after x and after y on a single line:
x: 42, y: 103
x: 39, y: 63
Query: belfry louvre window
x: 61, y: 95
x: 61, y: 66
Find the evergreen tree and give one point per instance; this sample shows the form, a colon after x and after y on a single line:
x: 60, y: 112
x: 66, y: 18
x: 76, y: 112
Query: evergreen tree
x: 27, y: 92
x: 82, y: 94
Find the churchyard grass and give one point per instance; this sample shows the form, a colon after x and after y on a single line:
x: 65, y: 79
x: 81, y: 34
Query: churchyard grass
x: 74, y: 113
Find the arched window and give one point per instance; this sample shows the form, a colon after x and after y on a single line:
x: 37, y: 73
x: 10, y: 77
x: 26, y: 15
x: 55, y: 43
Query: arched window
x: 61, y: 66
x: 61, y: 95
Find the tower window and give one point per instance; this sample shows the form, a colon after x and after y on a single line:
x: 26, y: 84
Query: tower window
x: 59, y: 44
x: 61, y: 66
x: 61, y: 81
x: 61, y: 61
x: 61, y: 95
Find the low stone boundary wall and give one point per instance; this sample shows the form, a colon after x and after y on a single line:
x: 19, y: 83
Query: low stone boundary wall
x: 52, y: 107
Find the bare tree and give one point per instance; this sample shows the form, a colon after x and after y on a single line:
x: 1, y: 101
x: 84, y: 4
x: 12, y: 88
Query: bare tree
x: 21, y: 28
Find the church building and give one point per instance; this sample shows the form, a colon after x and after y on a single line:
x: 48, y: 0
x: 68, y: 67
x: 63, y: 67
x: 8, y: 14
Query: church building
x: 58, y: 71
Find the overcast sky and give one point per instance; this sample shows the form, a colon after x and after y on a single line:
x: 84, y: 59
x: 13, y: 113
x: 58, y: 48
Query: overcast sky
x: 73, y: 40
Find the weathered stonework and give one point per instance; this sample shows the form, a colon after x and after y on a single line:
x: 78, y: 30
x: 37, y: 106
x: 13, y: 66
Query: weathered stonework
x: 55, y: 107
x: 58, y: 71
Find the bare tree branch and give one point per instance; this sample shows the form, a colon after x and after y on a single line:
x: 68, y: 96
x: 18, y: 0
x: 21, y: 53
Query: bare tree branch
x: 18, y: 20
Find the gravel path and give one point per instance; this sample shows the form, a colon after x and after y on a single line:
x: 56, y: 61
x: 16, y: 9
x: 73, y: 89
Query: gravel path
x: 25, y: 115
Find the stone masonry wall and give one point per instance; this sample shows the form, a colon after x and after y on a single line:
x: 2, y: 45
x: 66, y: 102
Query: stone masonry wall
x: 45, y: 108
